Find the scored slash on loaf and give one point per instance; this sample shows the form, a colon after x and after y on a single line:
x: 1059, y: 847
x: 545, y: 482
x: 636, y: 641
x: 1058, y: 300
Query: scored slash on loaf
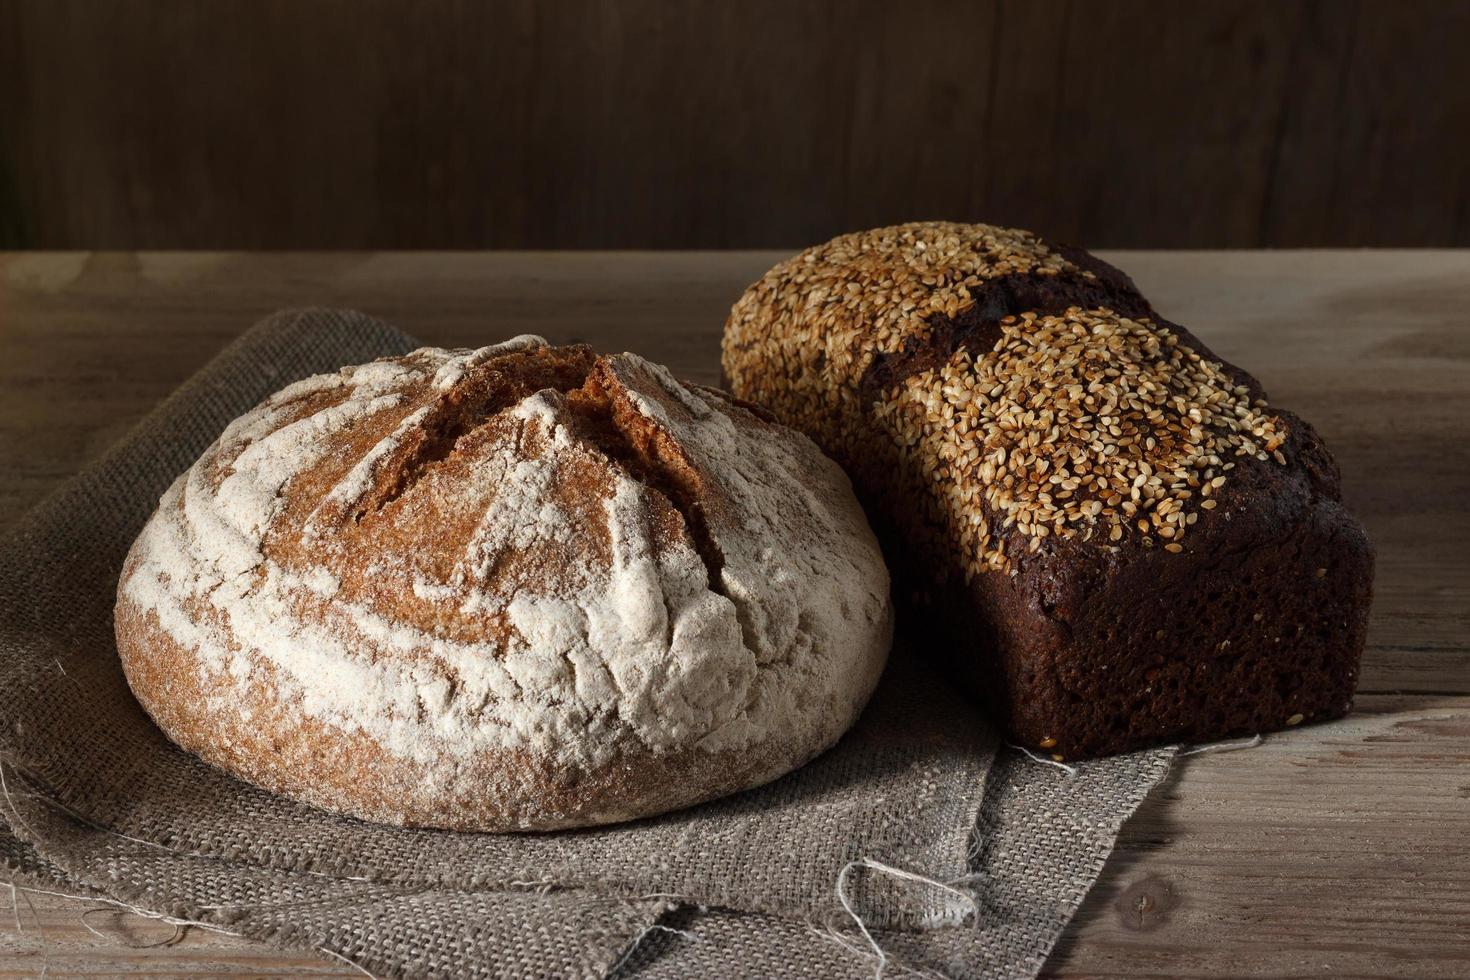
x: 1103, y: 527
x: 522, y: 587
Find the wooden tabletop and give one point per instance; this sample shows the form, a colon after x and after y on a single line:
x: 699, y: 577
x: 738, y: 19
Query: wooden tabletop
x: 1342, y: 849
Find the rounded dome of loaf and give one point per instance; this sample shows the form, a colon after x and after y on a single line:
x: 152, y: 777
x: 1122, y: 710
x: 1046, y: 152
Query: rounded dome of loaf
x: 521, y: 587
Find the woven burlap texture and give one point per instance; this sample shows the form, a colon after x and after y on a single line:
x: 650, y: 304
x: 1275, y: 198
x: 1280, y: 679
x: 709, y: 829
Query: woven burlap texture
x: 98, y: 801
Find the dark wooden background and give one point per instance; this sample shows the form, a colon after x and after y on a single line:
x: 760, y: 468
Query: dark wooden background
x: 721, y: 123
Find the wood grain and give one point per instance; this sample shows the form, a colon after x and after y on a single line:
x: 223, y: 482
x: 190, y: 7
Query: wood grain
x: 1341, y: 850
x: 584, y: 124
x: 48, y: 933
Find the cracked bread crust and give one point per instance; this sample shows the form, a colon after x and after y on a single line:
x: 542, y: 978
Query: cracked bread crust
x: 519, y: 588
x: 1103, y: 526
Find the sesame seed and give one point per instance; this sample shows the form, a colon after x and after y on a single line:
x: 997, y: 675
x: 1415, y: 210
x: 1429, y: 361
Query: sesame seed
x: 1047, y: 742
x: 1295, y: 719
x: 1061, y: 426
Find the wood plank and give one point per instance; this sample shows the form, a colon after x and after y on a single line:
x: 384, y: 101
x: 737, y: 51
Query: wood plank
x: 1336, y: 850
x: 49, y: 935
x: 579, y: 124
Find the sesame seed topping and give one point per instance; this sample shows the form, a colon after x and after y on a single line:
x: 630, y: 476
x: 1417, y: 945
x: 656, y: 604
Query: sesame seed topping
x: 1068, y: 426
x: 1060, y: 417
x: 801, y: 338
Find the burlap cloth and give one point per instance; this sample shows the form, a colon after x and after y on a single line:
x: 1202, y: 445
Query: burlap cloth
x: 98, y: 803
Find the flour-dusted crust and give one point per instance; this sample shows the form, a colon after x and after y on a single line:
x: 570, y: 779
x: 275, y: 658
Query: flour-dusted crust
x: 517, y: 588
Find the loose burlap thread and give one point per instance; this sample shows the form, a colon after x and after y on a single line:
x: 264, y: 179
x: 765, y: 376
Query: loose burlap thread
x: 954, y: 854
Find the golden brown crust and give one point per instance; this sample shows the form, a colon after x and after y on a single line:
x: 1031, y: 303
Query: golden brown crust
x: 516, y: 588
x: 266, y: 742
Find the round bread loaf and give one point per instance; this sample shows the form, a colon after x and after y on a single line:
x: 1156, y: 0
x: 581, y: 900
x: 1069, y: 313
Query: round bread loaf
x: 516, y: 588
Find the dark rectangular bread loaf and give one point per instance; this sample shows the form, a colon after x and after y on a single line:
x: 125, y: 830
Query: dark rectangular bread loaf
x: 1107, y: 530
